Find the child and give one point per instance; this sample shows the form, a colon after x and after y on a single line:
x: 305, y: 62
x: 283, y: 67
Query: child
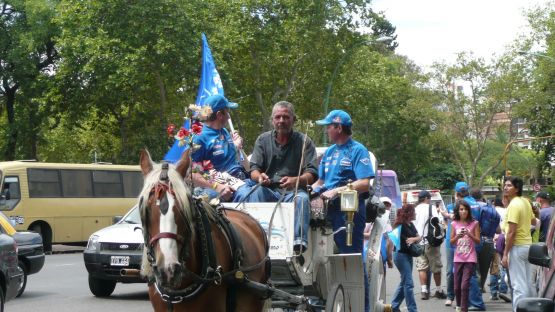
x: 465, y: 232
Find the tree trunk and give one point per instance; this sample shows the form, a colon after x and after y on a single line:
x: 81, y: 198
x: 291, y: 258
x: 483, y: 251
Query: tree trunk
x: 11, y: 144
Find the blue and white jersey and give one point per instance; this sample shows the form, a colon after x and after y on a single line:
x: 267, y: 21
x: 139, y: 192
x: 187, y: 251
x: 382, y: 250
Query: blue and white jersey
x: 342, y: 163
x: 216, y: 146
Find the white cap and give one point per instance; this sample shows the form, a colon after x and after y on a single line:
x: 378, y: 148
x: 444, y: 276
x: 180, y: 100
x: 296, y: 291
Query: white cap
x: 385, y: 199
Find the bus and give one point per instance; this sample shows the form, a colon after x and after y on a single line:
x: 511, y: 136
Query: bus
x: 66, y: 203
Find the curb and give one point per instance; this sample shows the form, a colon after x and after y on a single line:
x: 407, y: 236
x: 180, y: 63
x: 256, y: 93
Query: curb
x: 62, y: 249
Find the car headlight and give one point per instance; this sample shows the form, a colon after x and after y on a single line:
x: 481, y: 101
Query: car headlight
x: 93, y: 244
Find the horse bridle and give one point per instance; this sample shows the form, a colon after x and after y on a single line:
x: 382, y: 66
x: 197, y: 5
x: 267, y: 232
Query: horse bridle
x: 211, y: 272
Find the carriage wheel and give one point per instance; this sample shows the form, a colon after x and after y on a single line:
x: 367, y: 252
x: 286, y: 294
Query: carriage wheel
x: 336, y: 299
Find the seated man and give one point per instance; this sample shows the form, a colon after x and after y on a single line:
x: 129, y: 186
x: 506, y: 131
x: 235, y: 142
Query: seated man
x: 283, y: 161
x: 218, y: 171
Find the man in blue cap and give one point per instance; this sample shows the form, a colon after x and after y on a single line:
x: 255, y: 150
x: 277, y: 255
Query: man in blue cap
x: 216, y: 145
x: 345, y: 160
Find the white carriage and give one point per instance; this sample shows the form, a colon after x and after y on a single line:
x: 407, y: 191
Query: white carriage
x: 326, y: 281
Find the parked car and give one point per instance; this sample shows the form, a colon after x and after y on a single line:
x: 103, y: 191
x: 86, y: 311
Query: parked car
x: 109, y: 250
x: 543, y: 255
x: 11, y: 275
x: 30, y: 255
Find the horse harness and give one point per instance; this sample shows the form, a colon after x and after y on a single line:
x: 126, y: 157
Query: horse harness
x: 211, y: 271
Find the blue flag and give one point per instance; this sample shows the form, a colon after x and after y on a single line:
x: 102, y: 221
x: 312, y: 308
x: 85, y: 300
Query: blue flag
x: 395, y: 237
x: 210, y: 84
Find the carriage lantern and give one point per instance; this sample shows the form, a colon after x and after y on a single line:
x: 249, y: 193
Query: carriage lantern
x: 349, y: 205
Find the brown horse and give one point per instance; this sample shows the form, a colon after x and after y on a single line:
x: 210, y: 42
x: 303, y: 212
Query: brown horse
x: 180, y: 233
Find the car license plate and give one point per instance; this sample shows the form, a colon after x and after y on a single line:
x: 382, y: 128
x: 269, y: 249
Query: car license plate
x: 119, y: 260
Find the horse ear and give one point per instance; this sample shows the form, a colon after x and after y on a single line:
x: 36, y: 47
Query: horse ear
x: 183, y: 163
x: 146, y: 162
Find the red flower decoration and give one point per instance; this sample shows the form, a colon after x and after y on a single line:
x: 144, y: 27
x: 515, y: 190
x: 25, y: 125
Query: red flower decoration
x: 196, y: 127
x: 207, y: 165
x: 183, y: 133
x: 170, y: 130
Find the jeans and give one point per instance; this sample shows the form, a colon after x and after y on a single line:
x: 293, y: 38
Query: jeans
x: 405, y: 290
x: 497, y: 283
x: 521, y: 273
x: 238, y: 195
x: 302, y: 209
x: 450, y: 253
x: 475, y: 298
x: 463, y: 272
x: 484, y: 259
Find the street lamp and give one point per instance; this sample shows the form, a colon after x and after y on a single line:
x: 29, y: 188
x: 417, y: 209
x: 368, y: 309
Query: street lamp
x: 338, y: 66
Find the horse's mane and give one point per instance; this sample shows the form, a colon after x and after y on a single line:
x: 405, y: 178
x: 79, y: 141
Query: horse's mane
x: 182, y: 195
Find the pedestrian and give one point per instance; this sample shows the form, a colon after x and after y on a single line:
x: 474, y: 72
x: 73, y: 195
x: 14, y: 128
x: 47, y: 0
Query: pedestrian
x: 346, y: 161
x: 516, y: 225
x: 283, y: 161
x: 430, y: 260
x: 403, y: 259
x: 497, y: 286
x: 546, y: 211
x: 465, y: 234
x: 489, y: 223
x: 219, y: 173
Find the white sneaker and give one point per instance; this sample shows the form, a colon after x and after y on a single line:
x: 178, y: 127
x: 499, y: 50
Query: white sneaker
x: 448, y: 303
x: 457, y: 309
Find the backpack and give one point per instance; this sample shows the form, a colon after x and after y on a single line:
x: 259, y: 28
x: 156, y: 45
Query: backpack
x: 435, y: 235
x: 489, y: 221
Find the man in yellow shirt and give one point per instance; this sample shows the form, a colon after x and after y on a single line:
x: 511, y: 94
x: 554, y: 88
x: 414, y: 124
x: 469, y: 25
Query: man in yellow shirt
x: 518, y: 239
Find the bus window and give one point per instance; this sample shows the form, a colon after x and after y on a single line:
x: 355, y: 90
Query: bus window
x: 107, y: 183
x: 132, y: 183
x: 10, y: 193
x: 77, y: 183
x: 44, y: 183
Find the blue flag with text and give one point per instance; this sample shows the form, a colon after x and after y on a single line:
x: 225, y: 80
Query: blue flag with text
x: 210, y: 84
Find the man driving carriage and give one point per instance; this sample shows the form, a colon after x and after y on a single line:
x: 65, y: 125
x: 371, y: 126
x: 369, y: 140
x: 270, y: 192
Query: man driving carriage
x: 221, y: 173
x: 346, y: 160
x: 284, y: 162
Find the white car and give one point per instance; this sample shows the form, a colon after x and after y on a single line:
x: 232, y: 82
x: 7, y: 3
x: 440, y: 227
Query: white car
x: 111, y: 249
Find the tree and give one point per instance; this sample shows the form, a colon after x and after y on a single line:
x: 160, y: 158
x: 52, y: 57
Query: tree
x: 470, y: 98
x: 27, y: 57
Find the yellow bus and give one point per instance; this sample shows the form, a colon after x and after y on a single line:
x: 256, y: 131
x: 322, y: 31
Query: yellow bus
x: 66, y: 203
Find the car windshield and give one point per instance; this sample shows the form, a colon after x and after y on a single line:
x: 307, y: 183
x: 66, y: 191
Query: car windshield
x: 132, y: 217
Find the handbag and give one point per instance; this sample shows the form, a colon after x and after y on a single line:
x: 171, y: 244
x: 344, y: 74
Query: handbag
x: 416, y: 250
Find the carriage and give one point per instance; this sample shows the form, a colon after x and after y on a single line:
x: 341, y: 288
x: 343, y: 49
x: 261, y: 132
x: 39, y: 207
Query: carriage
x: 195, y: 260
x: 323, y: 280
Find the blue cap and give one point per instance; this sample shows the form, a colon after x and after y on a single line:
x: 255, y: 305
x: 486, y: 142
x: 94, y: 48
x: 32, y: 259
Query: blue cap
x: 424, y: 194
x: 336, y: 117
x: 461, y: 187
x: 218, y: 102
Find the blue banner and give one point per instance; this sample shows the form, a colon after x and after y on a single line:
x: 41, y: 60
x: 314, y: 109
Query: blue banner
x: 395, y: 237
x: 210, y: 84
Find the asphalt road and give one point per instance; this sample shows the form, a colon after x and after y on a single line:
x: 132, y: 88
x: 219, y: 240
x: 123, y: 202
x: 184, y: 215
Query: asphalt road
x: 62, y: 286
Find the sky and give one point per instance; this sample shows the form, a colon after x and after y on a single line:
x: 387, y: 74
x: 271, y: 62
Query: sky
x: 435, y: 30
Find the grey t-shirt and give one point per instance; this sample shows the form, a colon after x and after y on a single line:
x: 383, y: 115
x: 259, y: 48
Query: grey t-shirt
x: 283, y: 161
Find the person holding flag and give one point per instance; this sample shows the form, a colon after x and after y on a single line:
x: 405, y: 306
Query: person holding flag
x: 403, y: 235
x: 216, y: 169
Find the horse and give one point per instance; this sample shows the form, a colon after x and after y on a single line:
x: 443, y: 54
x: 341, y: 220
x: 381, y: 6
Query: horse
x: 193, y: 260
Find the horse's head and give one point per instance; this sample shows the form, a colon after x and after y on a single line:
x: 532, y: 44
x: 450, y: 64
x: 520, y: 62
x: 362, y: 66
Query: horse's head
x: 166, y: 217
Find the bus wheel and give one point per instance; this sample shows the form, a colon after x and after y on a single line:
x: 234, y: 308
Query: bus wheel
x: 46, y: 235
x: 101, y: 287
